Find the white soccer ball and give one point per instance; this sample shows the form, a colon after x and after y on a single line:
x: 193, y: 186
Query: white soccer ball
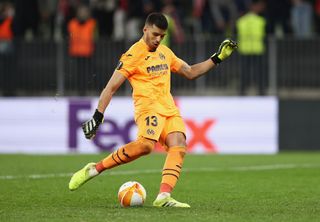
x: 132, y: 194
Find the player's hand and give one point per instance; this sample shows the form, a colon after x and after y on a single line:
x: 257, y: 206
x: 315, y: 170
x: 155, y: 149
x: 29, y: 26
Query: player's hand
x: 225, y: 50
x: 91, y: 126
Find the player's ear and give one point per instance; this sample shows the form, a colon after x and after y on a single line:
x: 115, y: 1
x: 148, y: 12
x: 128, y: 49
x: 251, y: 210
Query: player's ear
x: 145, y: 28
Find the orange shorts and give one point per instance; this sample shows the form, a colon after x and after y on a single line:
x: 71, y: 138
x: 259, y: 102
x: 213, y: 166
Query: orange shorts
x: 153, y: 126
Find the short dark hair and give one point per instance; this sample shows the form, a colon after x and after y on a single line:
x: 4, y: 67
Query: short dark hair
x: 157, y: 19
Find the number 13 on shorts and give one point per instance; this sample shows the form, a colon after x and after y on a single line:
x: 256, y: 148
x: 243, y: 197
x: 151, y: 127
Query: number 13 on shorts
x: 150, y: 125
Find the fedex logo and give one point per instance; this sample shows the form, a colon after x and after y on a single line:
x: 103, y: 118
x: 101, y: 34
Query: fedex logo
x: 111, y: 128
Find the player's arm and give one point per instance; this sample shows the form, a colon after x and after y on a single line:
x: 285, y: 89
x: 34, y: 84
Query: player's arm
x: 225, y: 50
x: 112, y: 86
x: 196, y: 70
x: 91, y: 126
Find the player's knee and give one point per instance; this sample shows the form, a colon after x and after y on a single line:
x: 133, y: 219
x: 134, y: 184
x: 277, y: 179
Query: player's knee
x: 181, y: 142
x: 146, y: 145
x: 176, y: 139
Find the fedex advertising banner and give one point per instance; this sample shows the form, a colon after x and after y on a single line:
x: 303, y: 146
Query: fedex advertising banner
x: 214, y: 125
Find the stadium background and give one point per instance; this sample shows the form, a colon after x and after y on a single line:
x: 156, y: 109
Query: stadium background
x: 35, y: 63
x: 45, y: 94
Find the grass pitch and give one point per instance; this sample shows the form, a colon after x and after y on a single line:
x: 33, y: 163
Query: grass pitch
x: 283, y: 187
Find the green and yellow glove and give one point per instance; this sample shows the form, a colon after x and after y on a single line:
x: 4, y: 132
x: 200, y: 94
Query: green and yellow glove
x: 225, y: 50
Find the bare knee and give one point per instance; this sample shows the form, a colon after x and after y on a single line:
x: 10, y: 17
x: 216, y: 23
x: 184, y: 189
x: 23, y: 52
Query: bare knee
x: 176, y: 139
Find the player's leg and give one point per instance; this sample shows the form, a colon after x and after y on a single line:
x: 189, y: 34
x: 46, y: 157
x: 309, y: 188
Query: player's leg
x: 125, y: 154
x: 150, y: 126
x: 175, y: 140
x: 176, y: 151
x: 149, y: 130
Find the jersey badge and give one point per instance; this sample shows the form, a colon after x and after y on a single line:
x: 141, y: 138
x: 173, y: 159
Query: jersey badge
x: 150, y: 132
x: 120, y: 64
x: 162, y: 57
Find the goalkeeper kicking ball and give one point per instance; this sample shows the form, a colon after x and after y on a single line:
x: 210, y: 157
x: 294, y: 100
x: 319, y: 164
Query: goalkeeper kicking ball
x: 132, y: 194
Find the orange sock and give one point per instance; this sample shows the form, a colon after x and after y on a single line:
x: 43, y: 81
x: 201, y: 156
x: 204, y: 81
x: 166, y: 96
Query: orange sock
x: 126, y: 154
x: 172, y: 168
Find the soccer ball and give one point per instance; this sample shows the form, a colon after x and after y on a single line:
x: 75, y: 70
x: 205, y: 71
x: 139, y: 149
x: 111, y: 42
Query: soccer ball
x: 131, y: 194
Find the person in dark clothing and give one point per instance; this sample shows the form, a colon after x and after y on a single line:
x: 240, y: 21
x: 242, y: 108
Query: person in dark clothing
x: 27, y: 17
x: 278, y: 14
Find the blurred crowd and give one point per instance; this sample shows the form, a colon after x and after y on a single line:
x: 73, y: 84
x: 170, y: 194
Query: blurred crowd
x: 123, y: 19
x: 82, y: 22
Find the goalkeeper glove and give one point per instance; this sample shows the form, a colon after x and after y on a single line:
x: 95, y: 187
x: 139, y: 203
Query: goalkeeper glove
x: 91, y: 126
x: 225, y: 50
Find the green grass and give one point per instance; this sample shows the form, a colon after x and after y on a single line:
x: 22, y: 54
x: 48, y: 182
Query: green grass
x: 283, y: 187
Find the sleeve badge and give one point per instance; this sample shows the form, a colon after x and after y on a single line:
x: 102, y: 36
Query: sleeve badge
x: 119, y: 66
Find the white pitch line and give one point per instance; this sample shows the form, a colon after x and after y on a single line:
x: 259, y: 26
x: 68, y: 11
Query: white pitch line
x: 152, y: 171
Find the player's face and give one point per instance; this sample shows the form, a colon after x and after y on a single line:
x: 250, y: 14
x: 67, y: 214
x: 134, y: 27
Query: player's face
x: 153, y: 36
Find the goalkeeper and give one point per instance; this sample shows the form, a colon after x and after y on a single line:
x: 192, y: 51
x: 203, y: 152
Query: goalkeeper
x: 147, y: 65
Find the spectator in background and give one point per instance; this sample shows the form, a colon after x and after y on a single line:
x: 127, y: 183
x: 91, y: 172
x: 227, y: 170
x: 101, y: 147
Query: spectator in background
x: 301, y: 18
x: 278, y: 17
x: 6, y: 33
x: 251, y: 29
x: 174, y: 31
x: 81, y: 49
x: 224, y: 13
x: 48, y: 9
x: 134, y: 20
x: 242, y: 6
x: 119, y: 20
x: 184, y: 11
x: 150, y: 6
x: 66, y: 11
x: 103, y: 12
x: 26, y: 19
x: 317, y: 16
x: 6, y: 49
x: 202, y: 17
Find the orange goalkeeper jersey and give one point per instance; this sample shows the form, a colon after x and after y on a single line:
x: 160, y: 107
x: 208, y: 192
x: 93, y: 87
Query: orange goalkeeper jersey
x: 149, y: 75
